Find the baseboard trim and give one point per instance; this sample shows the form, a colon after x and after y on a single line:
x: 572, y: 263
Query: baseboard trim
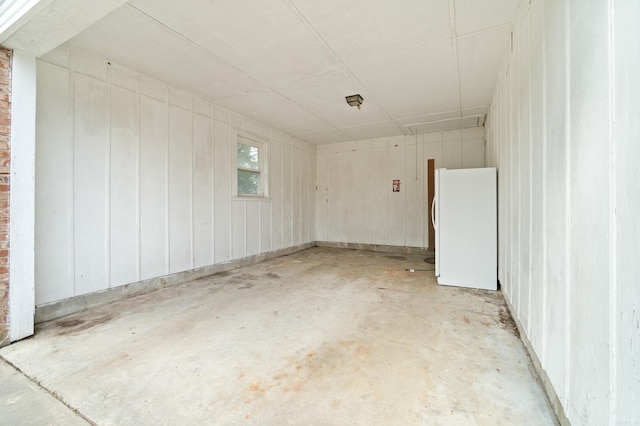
x: 540, y: 373
x: 375, y: 247
x: 61, y: 308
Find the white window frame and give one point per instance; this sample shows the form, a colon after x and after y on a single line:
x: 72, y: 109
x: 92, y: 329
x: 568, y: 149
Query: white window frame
x: 263, y: 164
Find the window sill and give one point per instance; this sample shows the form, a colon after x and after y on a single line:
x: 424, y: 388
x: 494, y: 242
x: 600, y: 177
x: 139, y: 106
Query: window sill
x: 251, y: 198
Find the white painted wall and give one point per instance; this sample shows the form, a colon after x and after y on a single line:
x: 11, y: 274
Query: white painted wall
x: 22, y: 199
x: 354, y: 198
x: 563, y: 132
x: 134, y: 181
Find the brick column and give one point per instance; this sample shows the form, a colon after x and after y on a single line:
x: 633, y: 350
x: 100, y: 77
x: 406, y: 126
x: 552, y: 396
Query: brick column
x: 5, y: 168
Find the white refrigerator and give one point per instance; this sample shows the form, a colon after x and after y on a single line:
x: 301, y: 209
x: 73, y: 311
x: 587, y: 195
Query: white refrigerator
x: 464, y: 216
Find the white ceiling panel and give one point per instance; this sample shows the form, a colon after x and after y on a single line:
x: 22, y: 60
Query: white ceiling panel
x: 267, y: 39
x: 478, y: 15
x: 129, y: 38
x: 359, y: 30
x: 408, y: 84
x: 324, y: 94
x: 479, y: 58
x: 327, y: 136
x: 275, y: 110
x: 373, y: 130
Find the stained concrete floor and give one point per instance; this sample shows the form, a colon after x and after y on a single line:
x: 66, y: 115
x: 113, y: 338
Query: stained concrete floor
x: 321, y: 337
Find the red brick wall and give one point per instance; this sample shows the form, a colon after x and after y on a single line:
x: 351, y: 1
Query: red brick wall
x: 5, y: 134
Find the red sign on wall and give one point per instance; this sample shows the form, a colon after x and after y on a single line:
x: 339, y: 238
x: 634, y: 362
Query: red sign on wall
x: 396, y: 185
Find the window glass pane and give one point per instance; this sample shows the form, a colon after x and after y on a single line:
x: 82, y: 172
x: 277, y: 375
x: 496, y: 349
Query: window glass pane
x: 248, y: 157
x: 248, y: 183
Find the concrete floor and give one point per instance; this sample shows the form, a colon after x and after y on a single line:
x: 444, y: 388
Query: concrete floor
x: 321, y: 337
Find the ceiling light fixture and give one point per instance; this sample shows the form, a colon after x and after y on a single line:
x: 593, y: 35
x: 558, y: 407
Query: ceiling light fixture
x: 354, y: 100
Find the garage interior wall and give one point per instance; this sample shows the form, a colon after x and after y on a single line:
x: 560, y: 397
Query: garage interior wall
x: 134, y: 181
x: 354, y: 200
x: 563, y: 131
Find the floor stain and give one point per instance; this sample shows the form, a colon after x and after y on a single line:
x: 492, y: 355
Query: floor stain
x: 75, y: 325
x: 242, y: 279
x: 70, y: 323
x: 507, y: 323
x: 396, y: 257
x: 272, y: 275
x: 307, y: 367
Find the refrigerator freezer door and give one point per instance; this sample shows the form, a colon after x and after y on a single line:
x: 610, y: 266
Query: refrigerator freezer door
x: 466, y: 236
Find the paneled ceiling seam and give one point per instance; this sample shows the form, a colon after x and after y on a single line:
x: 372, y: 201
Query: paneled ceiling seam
x: 207, y: 51
x: 484, y: 30
x: 454, y: 48
x: 328, y: 46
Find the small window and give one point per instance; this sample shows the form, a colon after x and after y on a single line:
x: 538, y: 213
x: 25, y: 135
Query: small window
x: 251, y: 170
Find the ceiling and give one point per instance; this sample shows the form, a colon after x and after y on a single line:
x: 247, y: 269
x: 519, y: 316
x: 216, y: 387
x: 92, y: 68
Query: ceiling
x: 290, y: 63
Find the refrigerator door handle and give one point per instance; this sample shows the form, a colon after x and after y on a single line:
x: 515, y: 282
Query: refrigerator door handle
x: 434, y: 219
x: 433, y: 212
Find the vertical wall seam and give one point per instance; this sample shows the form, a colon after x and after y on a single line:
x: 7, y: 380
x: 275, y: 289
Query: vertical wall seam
x: 108, y: 180
x: 423, y: 193
x: 212, y: 145
x: 282, y: 195
x: 299, y: 194
x: 269, y: 180
x: 311, y: 181
x: 291, y: 198
x: 260, y: 225
x: 513, y: 180
x: 519, y: 172
x: 389, y: 194
x: 191, y: 186
x: 298, y: 166
x: 307, y: 188
x: 517, y: 280
x: 403, y: 191
x: 612, y: 223
x: 72, y: 101
x: 233, y: 176
x: 544, y: 186
x: 304, y: 171
x: 291, y: 191
x: 531, y: 207
x: 138, y: 182
x: 167, y: 177
x: 508, y: 181
x: 567, y: 363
